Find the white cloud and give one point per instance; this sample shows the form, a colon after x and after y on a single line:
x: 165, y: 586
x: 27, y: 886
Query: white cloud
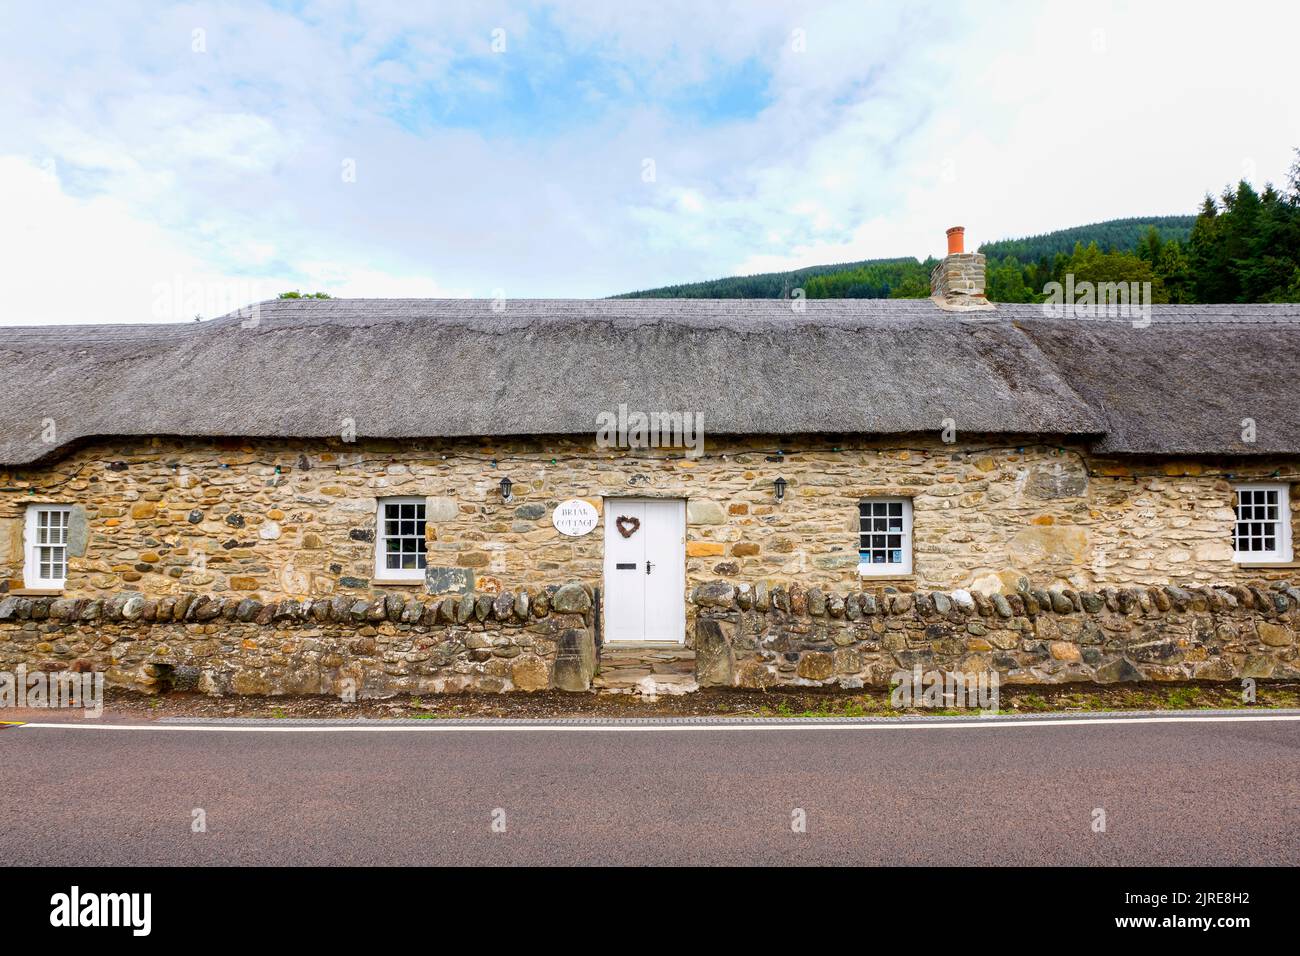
x: 345, y: 280
x: 896, y: 121
x: 71, y: 260
x: 91, y: 260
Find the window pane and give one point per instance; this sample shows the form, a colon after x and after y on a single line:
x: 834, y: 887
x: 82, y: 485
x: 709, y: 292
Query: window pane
x: 882, y: 539
x: 49, y: 540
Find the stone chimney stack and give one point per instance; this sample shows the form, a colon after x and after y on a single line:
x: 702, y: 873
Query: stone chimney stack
x: 957, y: 282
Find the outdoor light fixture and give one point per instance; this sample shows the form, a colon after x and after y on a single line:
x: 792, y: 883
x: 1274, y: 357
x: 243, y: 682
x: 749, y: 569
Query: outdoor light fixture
x: 780, y: 484
x: 506, y: 485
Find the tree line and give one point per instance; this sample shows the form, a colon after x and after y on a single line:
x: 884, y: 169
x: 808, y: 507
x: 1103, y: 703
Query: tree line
x: 1112, y: 234
x: 1243, y: 246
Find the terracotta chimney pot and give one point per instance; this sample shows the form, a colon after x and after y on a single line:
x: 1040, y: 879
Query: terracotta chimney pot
x: 956, y: 240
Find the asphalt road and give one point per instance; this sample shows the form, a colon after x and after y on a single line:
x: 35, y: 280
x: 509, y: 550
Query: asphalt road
x: 1173, y: 793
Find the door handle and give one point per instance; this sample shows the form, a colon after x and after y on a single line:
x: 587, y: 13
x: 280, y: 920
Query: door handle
x: 648, y: 566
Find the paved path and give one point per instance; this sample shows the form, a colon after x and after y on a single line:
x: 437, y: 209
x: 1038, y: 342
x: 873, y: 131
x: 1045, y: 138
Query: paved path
x: 1208, y: 791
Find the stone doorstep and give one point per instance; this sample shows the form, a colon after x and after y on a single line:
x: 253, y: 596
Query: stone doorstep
x: 624, y: 669
x: 646, y: 653
x: 678, y: 679
x: 678, y: 666
x: 681, y: 666
x: 618, y: 679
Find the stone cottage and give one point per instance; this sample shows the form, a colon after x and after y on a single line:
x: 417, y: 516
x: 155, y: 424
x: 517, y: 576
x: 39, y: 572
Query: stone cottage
x: 443, y: 495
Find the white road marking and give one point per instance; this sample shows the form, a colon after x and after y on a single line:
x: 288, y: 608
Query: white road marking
x: 449, y: 726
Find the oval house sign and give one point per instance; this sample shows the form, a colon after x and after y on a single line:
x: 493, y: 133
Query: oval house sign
x: 574, y: 517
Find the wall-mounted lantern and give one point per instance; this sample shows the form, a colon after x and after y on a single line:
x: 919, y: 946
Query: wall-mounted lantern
x: 506, y: 486
x: 779, y: 485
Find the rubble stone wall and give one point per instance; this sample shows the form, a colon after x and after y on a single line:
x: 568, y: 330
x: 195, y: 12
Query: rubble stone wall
x: 514, y: 640
x: 274, y: 520
x: 763, y: 636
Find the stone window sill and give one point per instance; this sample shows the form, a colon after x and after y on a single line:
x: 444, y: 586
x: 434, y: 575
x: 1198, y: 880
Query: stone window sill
x: 1264, y: 565
x: 644, y: 646
x: 396, y: 582
x: 35, y: 592
x: 886, y: 577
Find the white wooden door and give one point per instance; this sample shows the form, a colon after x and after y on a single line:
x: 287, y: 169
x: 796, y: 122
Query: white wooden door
x: 645, y: 571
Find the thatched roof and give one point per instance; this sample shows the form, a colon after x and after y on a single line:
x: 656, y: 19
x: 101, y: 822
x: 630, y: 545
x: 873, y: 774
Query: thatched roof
x: 1185, y: 384
x: 405, y: 368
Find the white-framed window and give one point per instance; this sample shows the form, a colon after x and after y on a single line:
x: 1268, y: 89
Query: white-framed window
x: 1262, y: 530
x: 885, y: 536
x: 399, y: 539
x: 45, y: 539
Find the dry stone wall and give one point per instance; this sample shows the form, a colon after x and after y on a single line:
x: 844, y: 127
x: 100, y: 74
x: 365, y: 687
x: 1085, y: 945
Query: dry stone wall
x: 513, y: 640
x: 762, y: 635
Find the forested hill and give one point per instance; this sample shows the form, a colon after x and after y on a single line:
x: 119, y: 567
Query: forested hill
x: 767, y: 285
x: 1119, y: 235
x: 907, y: 277
x: 1243, y: 246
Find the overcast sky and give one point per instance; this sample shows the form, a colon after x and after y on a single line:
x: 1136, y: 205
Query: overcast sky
x: 161, y: 160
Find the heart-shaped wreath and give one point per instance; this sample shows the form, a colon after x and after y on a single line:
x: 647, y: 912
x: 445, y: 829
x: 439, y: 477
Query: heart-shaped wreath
x: 627, y: 526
